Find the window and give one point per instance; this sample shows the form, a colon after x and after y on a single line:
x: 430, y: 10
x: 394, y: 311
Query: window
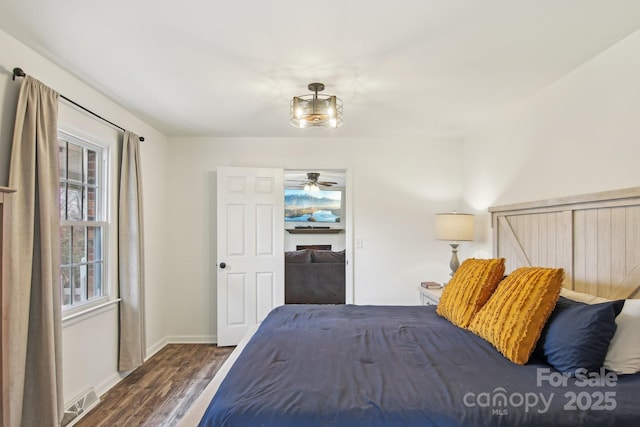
x: 82, y: 220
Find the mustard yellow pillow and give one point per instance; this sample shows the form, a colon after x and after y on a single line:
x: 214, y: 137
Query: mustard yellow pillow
x: 469, y: 289
x: 513, y: 317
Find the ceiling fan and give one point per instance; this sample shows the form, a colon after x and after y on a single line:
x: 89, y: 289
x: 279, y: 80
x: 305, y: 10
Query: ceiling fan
x: 312, y: 183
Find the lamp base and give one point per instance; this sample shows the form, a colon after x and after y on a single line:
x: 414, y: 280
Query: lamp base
x: 454, y: 263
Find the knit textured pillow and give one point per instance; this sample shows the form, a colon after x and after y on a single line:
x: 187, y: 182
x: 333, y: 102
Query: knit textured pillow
x: 469, y: 289
x: 513, y: 317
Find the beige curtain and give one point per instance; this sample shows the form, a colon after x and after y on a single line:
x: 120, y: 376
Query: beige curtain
x: 31, y: 312
x: 131, y: 257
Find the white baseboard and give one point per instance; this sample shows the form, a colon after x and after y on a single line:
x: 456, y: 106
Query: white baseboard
x: 192, y: 339
x: 159, y: 345
x: 105, y: 385
x: 179, y: 339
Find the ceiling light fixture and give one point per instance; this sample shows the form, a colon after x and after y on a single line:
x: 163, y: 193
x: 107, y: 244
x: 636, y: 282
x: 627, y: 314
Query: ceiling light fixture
x: 315, y: 110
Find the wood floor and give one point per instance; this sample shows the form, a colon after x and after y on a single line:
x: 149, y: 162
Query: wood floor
x: 160, y: 391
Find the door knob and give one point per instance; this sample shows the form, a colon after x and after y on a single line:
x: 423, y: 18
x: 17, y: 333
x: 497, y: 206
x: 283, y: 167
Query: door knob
x: 223, y: 265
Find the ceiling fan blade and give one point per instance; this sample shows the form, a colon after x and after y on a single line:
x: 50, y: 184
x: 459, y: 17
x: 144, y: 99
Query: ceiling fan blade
x: 312, y: 180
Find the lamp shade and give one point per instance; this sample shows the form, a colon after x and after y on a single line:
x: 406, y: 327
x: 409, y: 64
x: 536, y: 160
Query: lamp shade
x: 454, y: 227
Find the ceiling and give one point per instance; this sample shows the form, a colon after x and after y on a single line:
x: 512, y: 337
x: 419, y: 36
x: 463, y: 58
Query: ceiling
x: 408, y: 68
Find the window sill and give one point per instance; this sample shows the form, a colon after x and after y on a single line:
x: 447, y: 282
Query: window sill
x: 77, y: 314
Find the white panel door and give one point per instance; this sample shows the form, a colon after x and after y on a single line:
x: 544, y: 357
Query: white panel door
x: 250, y: 248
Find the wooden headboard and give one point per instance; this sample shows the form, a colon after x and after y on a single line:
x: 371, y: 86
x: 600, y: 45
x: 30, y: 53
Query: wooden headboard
x: 595, y: 238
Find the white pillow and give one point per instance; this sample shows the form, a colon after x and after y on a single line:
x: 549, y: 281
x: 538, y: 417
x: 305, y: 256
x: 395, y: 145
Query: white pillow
x: 623, y: 356
x: 582, y: 297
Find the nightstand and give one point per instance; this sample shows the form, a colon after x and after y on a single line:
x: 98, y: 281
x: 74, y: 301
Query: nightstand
x: 429, y: 296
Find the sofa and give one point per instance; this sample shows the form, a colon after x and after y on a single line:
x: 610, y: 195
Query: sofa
x: 314, y: 276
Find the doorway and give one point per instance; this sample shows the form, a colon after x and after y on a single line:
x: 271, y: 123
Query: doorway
x: 317, y: 236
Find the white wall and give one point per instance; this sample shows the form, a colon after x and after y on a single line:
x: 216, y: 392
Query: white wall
x: 580, y: 135
x: 90, y: 343
x: 397, y: 187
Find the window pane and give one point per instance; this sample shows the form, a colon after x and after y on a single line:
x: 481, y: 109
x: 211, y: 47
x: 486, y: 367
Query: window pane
x: 79, y: 253
x: 65, y: 281
x: 65, y: 245
x: 84, y: 202
x: 79, y: 283
x: 94, y: 244
x: 92, y: 212
x: 92, y: 167
x: 63, y: 200
x: 74, y: 202
x: 74, y: 163
x: 62, y: 158
x: 94, y: 280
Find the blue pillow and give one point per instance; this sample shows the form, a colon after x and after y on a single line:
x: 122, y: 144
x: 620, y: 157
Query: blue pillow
x: 577, y: 335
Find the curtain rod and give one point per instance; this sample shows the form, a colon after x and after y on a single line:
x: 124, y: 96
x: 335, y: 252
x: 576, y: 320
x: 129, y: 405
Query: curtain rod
x: 18, y: 72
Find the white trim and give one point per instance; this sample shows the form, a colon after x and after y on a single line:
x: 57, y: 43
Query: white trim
x: 87, y: 311
x: 179, y: 339
x: 192, y: 339
x: 348, y: 241
x: 110, y: 382
x: 159, y: 345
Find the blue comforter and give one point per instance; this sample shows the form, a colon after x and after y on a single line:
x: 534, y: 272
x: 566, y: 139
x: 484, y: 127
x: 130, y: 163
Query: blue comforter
x: 345, y: 365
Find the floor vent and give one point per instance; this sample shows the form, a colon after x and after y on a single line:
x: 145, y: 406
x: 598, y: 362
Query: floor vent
x: 79, y: 407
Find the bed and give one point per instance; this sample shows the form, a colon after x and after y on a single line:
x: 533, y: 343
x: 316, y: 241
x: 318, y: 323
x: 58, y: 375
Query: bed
x: 346, y: 365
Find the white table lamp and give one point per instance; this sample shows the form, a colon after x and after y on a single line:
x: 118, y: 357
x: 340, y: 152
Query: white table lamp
x: 454, y: 227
